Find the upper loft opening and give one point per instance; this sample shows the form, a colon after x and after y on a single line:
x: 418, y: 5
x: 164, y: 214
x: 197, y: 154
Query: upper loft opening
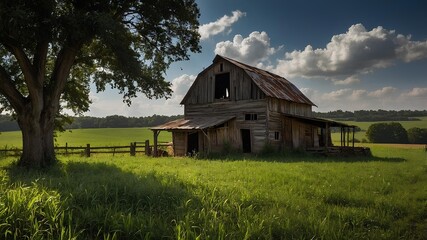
x: 222, y: 86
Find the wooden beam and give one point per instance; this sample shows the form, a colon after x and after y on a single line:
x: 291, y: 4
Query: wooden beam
x: 209, y: 140
x: 147, y: 147
x: 156, y: 134
x: 327, y: 135
x: 353, y: 136
x: 87, y: 150
x: 348, y: 136
x: 343, y: 136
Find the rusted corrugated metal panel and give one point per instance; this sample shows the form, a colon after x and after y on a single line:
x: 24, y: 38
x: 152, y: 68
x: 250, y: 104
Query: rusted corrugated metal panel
x: 271, y: 84
x: 193, y: 123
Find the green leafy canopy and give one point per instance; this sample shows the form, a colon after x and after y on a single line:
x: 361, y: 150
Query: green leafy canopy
x: 123, y: 44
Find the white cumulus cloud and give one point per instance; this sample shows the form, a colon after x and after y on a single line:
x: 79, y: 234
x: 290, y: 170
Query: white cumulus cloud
x: 180, y: 86
x: 251, y: 50
x: 417, y: 92
x: 222, y: 24
x: 383, y: 92
x: 308, y: 92
x: 354, y: 52
x: 336, y: 95
x: 111, y: 103
x: 388, y: 98
x: 358, y: 94
x: 348, y: 81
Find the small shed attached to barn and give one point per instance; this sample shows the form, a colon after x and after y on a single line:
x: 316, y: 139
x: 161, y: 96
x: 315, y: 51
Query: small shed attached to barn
x: 232, y: 105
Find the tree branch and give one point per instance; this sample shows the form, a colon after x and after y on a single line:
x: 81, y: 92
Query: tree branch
x: 35, y: 88
x: 61, y: 71
x: 7, y: 89
x: 39, y: 62
x: 44, y: 38
x: 23, y: 61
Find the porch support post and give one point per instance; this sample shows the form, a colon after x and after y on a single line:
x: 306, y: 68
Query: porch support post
x: 156, y: 135
x: 343, y: 136
x: 209, y: 140
x: 348, y: 137
x: 353, y: 136
x: 327, y: 135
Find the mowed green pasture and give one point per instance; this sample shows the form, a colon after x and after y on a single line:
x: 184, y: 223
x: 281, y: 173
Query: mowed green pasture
x: 288, y: 196
x: 94, y: 137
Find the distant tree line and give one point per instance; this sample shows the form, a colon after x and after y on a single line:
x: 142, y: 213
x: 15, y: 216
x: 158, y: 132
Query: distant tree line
x: 372, y: 115
x: 394, y: 132
x: 7, y: 123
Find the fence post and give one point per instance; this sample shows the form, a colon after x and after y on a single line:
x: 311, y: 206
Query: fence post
x: 66, y: 149
x: 132, y: 149
x: 88, y: 150
x: 147, y: 148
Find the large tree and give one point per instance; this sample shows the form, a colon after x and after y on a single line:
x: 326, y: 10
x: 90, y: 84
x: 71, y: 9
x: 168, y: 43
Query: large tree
x: 52, y: 50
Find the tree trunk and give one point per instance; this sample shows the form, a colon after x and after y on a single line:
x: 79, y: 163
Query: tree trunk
x: 37, y: 140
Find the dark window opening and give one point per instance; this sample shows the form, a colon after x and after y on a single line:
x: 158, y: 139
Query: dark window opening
x: 221, y: 67
x: 276, y: 135
x: 251, y: 116
x: 222, y: 86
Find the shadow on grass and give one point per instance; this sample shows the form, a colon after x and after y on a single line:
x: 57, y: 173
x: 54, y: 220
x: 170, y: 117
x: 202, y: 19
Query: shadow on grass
x: 296, y: 156
x: 102, y: 201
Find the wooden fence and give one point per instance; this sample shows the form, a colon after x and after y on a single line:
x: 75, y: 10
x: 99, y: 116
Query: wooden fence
x: 133, y: 148
x: 340, y: 151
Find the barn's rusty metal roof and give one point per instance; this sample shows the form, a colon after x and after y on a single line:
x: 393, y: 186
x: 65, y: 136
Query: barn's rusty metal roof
x: 271, y: 84
x: 194, y: 123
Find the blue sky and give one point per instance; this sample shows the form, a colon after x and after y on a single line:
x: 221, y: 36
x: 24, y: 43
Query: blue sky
x: 347, y: 55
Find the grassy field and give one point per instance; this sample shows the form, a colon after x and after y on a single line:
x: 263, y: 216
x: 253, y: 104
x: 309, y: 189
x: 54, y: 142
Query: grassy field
x: 95, y: 137
x: 242, y: 197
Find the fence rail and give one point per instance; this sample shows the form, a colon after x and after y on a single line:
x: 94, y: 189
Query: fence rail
x: 133, y: 148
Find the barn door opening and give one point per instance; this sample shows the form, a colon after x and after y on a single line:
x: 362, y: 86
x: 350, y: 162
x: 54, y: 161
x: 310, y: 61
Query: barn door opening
x: 246, y: 140
x: 192, y: 143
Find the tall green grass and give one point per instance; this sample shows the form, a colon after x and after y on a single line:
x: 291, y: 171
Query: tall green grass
x: 289, y: 196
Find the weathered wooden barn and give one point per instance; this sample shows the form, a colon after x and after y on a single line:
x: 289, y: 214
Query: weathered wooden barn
x: 234, y: 106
